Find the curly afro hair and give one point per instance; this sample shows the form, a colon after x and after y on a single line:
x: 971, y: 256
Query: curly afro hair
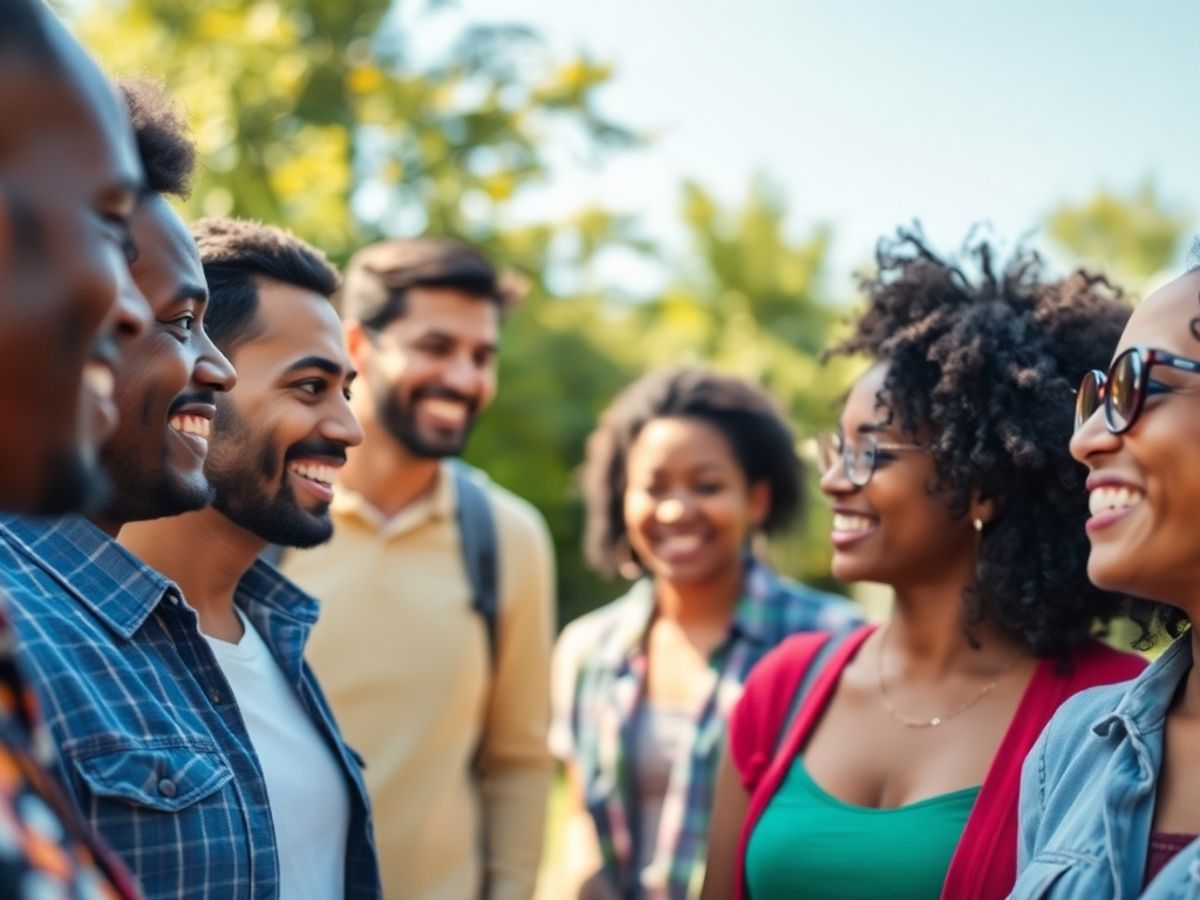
x: 988, y: 364
x: 167, y: 152
x: 757, y: 432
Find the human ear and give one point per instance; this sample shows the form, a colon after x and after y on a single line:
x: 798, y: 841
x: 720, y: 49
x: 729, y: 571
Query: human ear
x: 760, y: 502
x: 982, y: 511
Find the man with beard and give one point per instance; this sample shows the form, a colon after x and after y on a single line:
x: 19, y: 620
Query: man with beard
x: 446, y: 696
x: 154, y: 748
x: 281, y: 436
x: 69, y: 182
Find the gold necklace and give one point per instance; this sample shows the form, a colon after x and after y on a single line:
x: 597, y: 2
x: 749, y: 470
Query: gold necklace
x: 910, y: 722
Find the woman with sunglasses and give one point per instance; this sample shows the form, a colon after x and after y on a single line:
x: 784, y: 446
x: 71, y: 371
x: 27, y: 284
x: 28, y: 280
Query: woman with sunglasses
x: 887, y: 763
x: 1110, y: 798
x: 684, y: 469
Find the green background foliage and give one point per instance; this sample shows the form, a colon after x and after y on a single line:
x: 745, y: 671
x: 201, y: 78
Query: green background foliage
x: 314, y: 114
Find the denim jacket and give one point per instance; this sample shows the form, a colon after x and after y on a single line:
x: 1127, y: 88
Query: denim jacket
x: 1088, y: 790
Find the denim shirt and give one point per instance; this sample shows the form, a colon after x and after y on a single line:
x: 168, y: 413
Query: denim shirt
x: 1088, y: 790
x: 153, y: 749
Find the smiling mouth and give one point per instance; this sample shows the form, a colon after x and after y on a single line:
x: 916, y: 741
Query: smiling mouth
x: 1113, y: 499
x: 451, y: 413
x: 193, y: 426
x: 99, y: 380
x: 315, y: 472
x: 852, y: 524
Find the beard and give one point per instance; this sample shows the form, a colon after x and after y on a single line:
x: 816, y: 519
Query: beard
x: 399, y: 418
x: 241, y: 472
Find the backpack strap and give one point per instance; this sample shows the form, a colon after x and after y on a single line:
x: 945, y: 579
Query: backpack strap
x: 477, y: 537
x: 811, y: 671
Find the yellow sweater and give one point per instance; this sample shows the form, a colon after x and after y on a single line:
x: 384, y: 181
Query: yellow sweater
x: 404, y: 661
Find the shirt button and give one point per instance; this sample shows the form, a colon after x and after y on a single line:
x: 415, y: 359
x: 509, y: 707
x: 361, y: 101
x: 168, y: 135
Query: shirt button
x: 166, y: 787
x: 214, y: 695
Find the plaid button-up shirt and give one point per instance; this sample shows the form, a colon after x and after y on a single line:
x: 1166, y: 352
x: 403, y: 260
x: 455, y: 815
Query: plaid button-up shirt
x: 153, y: 749
x: 602, y: 657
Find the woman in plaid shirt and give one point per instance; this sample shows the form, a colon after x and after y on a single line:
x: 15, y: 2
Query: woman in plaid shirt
x: 684, y: 469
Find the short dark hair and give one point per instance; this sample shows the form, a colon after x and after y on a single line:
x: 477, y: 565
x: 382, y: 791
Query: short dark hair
x: 237, y: 254
x: 744, y: 413
x: 379, y: 277
x: 160, y: 128
x: 987, y: 355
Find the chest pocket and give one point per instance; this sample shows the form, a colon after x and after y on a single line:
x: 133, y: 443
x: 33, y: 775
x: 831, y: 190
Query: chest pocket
x: 164, y: 777
x: 1059, y: 875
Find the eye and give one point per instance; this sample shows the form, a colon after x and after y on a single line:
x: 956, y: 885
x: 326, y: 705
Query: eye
x: 182, y: 326
x: 1154, y: 386
x: 348, y: 392
x: 119, y: 227
x: 314, y: 387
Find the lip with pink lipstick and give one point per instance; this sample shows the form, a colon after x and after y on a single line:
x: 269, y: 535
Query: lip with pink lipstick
x: 1110, y: 500
x: 851, y: 526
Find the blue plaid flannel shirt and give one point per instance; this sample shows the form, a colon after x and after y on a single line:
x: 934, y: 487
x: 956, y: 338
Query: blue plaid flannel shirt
x: 597, y: 732
x: 152, y: 747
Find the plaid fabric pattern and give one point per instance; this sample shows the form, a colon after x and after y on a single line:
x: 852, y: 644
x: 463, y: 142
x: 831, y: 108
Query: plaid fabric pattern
x: 46, y: 850
x: 608, y: 691
x: 153, y: 749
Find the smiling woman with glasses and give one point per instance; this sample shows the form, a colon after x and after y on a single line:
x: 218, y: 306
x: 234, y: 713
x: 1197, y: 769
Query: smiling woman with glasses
x: 1110, y: 800
x: 950, y: 483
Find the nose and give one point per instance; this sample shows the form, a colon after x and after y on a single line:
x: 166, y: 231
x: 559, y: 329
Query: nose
x: 213, y: 370
x: 1093, y: 437
x: 341, y: 425
x: 130, y: 315
x: 670, y: 511
x: 462, y: 375
x: 835, y: 482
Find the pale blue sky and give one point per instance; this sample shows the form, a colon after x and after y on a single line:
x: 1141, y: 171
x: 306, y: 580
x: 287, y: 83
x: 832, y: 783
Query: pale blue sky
x: 870, y: 114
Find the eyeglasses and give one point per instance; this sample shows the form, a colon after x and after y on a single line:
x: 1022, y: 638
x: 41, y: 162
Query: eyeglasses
x: 858, y: 460
x: 1124, y: 389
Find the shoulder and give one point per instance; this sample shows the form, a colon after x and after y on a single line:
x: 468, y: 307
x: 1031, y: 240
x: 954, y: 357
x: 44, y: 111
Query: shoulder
x: 1097, y: 664
x: 517, y: 520
x: 594, y: 628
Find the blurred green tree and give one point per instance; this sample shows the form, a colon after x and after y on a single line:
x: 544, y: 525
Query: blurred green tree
x: 1130, y: 238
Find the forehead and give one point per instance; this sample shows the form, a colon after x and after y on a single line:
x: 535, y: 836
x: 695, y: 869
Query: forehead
x: 1168, y: 319
x: 168, y: 261
x: 863, y: 405
x: 292, y: 323
x: 66, y: 123
x: 450, y: 311
x: 680, y: 441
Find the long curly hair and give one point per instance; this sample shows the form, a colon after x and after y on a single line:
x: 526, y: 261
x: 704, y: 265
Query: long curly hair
x: 759, y: 435
x: 986, y: 354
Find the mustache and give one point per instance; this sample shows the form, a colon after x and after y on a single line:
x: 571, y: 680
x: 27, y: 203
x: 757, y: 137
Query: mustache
x: 444, y: 393
x: 208, y: 398
x: 318, y: 447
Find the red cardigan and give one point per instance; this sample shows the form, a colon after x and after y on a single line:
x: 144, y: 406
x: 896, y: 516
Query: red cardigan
x: 984, y: 864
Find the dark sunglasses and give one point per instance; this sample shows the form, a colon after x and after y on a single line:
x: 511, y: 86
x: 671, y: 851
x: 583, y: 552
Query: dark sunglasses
x: 1124, y: 389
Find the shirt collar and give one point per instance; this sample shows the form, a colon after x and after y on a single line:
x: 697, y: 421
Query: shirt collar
x: 439, y: 503
x: 265, y: 590
x: 1145, y: 704
x: 120, y: 589
x: 751, y: 616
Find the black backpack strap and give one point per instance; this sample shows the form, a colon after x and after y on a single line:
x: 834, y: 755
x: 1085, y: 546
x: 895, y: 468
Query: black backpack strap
x: 477, y: 536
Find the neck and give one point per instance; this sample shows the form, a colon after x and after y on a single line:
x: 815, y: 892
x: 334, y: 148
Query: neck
x: 204, y: 553
x: 926, y: 629
x: 110, y: 526
x: 703, y: 602
x: 385, y: 473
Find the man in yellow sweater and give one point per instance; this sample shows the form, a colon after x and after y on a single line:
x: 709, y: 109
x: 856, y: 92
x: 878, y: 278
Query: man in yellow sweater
x: 433, y: 650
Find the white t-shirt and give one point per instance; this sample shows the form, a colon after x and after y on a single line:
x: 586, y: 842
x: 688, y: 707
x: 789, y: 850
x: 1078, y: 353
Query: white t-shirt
x: 310, y: 801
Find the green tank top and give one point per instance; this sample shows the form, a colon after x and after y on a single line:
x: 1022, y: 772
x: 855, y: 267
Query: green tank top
x: 810, y: 844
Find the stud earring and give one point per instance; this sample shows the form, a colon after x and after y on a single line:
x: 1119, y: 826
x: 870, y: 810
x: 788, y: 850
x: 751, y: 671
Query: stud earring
x: 978, y: 524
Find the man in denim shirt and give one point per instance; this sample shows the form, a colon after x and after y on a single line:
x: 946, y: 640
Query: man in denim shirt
x: 154, y: 747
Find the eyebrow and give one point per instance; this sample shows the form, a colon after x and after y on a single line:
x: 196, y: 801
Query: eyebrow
x: 326, y: 365
x: 192, y: 291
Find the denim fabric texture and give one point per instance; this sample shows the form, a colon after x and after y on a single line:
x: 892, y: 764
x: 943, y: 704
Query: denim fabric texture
x: 152, y: 747
x: 1088, y: 791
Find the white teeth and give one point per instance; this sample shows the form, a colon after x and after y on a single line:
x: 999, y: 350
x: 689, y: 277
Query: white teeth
x: 680, y: 543
x: 850, y: 522
x: 98, y: 378
x: 446, y: 409
x: 194, y: 425
x: 1102, y: 499
x: 315, y: 472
